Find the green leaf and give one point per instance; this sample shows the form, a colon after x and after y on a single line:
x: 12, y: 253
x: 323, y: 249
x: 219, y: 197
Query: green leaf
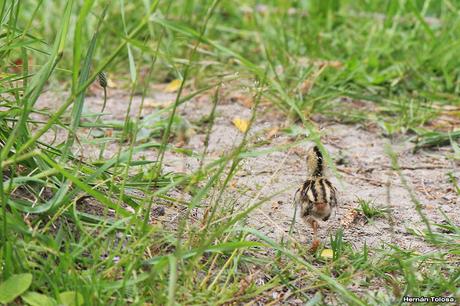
x: 71, y: 298
x: 38, y: 299
x: 132, y: 64
x: 14, y: 287
x: 82, y: 19
x: 172, y: 279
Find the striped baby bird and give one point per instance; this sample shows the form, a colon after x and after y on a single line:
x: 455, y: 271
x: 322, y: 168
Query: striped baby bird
x: 316, y: 198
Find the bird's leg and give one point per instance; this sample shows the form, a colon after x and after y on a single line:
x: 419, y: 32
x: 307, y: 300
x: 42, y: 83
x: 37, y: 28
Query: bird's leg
x: 315, y: 242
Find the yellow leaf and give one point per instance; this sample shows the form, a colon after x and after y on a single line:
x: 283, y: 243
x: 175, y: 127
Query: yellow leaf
x: 327, y: 253
x: 4, y: 75
x: 241, y: 124
x: 173, y: 86
x: 150, y: 103
x: 111, y: 83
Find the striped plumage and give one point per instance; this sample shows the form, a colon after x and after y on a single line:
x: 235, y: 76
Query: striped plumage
x: 317, y: 196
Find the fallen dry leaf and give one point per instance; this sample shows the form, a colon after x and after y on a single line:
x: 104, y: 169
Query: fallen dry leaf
x: 314, y: 245
x: 180, y: 143
x: 244, y: 284
x: 233, y: 184
x: 276, y: 205
x: 17, y: 67
x: 298, y: 151
x: 349, y: 217
x: 327, y: 253
x: 204, y: 220
x: 305, y: 61
x: 242, y: 99
x: 4, y: 75
x: 334, y: 64
x: 173, y: 86
x: 111, y: 83
x: 241, y: 124
x: 273, y: 132
x: 150, y: 103
x: 306, y: 86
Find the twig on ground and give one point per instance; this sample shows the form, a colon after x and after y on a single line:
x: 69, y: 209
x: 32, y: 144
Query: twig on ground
x: 369, y: 180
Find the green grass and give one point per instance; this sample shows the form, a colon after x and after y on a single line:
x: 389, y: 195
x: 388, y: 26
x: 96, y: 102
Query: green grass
x: 370, y: 210
x: 398, y: 58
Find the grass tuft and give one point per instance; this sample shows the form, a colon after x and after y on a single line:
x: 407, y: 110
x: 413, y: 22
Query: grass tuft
x: 370, y: 210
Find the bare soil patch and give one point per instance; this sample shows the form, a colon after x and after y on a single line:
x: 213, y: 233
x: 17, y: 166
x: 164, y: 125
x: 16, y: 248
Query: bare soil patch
x: 363, y: 168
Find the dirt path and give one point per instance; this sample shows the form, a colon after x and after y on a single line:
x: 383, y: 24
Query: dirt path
x: 359, y: 153
x: 365, y: 173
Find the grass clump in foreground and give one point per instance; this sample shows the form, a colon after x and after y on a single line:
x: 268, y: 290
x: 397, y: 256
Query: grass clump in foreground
x: 54, y: 250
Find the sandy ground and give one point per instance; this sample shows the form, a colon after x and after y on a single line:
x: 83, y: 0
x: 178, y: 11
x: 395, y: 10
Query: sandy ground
x: 363, y: 170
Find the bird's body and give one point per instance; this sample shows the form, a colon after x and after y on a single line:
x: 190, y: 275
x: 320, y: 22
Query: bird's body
x: 316, y: 198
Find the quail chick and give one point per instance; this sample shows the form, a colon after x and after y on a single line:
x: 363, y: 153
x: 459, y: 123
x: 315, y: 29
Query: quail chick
x: 316, y: 198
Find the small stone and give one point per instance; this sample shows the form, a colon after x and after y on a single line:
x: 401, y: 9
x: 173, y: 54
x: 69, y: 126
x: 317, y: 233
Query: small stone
x: 158, y: 211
